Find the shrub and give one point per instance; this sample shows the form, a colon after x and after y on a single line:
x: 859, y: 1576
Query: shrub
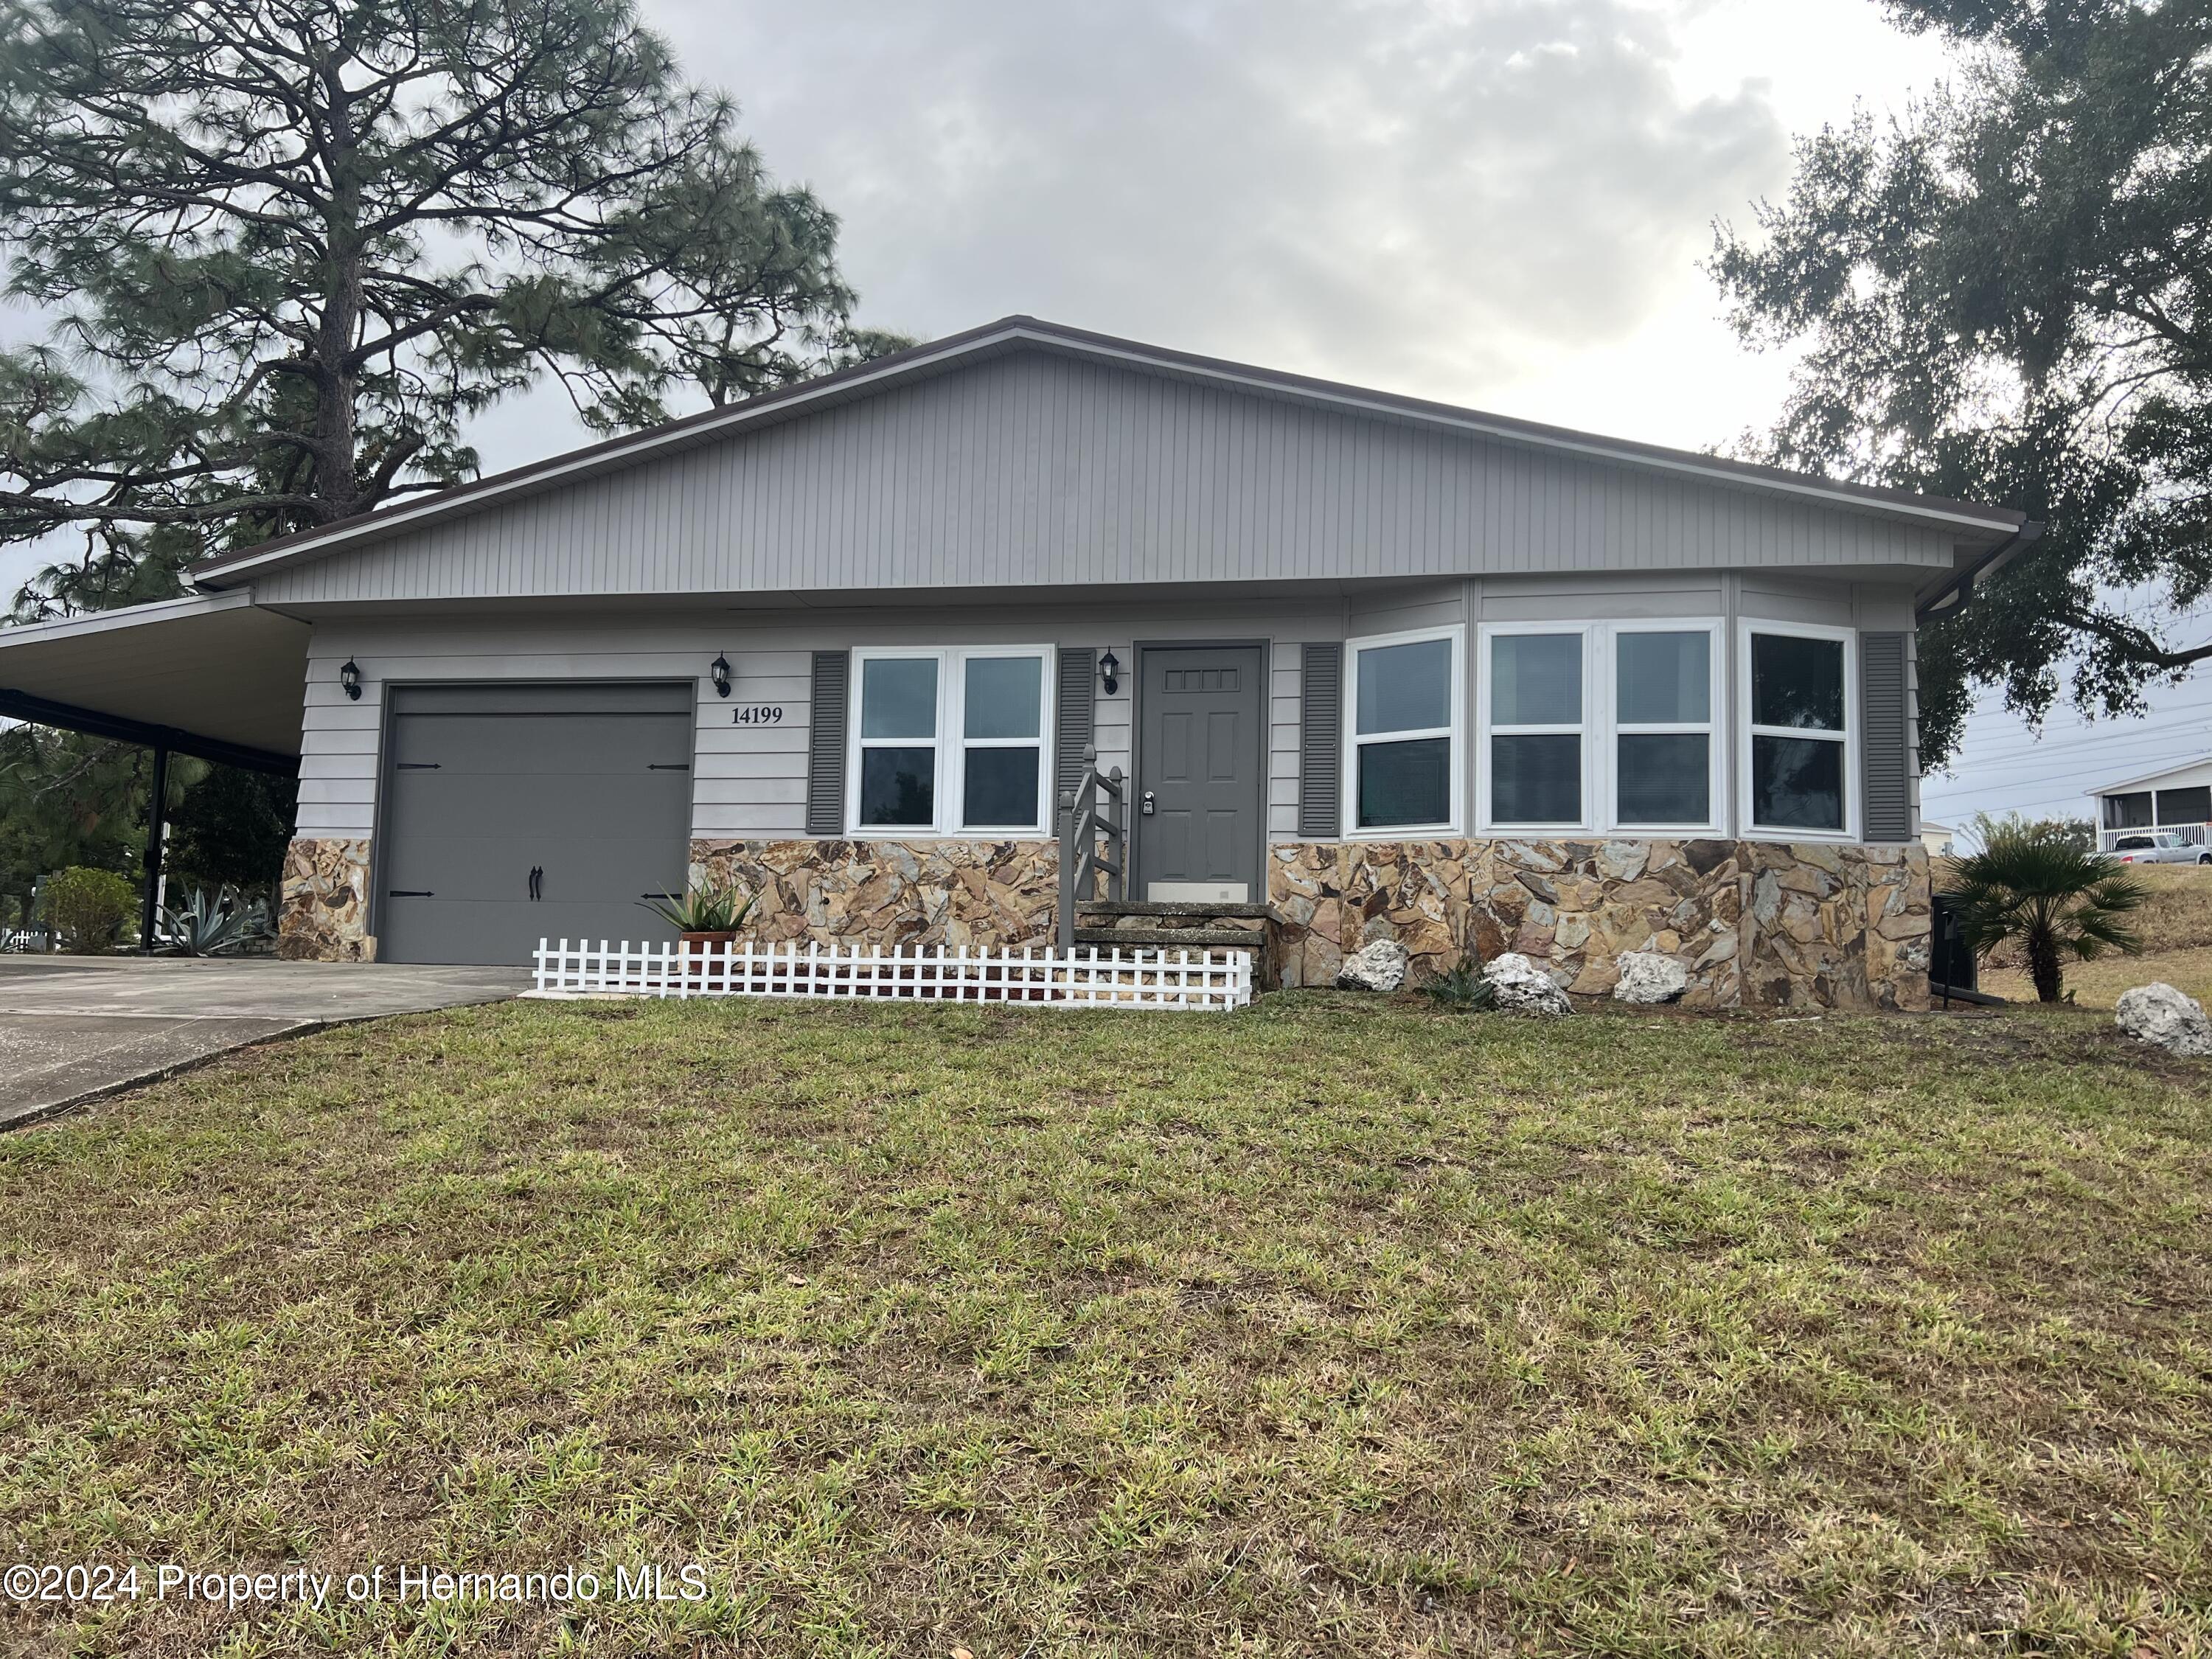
x: 2036, y: 890
x: 1461, y: 987
x: 88, y: 908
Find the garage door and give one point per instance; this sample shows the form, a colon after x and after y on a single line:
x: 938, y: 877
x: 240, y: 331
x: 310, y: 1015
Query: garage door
x: 516, y: 813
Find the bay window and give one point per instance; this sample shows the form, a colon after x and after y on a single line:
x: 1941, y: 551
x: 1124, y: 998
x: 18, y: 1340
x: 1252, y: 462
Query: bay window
x: 1534, y: 762
x: 1662, y: 744
x: 952, y: 741
x: 1404, y: 732
x: 1798, y: 754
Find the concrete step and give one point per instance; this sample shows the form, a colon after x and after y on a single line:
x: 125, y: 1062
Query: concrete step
x: 1183, y: 908
x: 1249, y: 938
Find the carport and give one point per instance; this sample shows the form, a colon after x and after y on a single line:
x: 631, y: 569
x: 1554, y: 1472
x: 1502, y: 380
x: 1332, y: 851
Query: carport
x: 215, y: 676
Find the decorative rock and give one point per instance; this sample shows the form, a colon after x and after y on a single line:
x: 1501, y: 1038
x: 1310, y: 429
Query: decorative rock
x: 2160, y: 1014
x: 1520, y: 986
x: 1647, y: 976
x: 1377, y: 966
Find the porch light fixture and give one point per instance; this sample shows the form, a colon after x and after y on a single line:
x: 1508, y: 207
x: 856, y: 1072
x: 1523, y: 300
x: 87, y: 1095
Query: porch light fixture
x: 720, y: 668
x: 1110, y: 670
x: 349, y: 678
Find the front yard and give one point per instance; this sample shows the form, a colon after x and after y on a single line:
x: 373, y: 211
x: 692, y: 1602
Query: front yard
x: 1337, y: 1326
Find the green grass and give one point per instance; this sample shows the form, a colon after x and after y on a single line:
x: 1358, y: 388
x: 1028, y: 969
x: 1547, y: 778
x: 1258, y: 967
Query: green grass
x: 1340, y: 1325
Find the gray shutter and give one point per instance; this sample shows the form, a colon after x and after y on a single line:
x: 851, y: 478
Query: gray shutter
x: 1886, y: 738
x: 1320, y: 742
x: 1073, y: 728
x: 825, y: 743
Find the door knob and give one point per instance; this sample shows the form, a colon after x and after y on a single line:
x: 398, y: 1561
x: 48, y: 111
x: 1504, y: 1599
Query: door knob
x: 1146, y: 809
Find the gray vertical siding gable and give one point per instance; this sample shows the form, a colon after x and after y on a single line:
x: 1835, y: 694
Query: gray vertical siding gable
x: 1035, y: 469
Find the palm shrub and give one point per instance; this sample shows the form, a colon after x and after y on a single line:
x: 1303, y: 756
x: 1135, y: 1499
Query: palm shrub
x: 2048, y: 895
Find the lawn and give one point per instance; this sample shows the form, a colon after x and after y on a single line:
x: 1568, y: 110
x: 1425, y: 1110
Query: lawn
x: 1337, y: 1326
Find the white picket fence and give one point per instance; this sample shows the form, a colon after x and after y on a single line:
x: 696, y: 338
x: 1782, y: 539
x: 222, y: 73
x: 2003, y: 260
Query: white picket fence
x: 1086, y: 977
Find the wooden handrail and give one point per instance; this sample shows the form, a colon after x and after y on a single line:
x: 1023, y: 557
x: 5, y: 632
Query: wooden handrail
x: 1081, y: 825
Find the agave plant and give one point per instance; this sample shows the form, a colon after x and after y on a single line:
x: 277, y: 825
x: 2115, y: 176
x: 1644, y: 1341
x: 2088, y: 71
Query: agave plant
x: 703, y: 909
x: 206, y: 925
x: 1461, y: 987
x: 2046, y: 893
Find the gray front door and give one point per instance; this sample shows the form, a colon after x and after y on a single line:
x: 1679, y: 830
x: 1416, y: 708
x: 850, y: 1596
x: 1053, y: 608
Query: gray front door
x: 1201, y: 767
x: 516, y: 813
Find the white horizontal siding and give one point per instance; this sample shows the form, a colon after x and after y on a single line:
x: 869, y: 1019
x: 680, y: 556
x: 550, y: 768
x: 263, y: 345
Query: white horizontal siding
x: 1033, y: 469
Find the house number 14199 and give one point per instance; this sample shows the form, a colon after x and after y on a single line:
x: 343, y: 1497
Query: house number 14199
x: 758, y: 714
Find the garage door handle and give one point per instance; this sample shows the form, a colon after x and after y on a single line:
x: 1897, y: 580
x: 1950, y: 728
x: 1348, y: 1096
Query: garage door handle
x: 668, y: 766
x: 410, y: 892
x: 417, y: 766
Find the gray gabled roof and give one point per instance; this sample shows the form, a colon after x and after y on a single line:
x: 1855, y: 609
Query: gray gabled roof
x: 1973, y: 524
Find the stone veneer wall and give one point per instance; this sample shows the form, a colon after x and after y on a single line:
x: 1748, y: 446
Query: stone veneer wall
x: 888, y: 892
x: 1757, y: 924
x: 323, y: 911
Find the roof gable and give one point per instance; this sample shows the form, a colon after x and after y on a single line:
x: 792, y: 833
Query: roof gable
x: 1052, y: 404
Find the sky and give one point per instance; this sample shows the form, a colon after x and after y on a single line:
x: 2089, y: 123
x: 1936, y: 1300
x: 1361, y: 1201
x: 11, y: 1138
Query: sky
x: 1495, y: 202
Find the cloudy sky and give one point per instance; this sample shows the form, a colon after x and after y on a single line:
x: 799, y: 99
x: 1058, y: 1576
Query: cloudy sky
x: 1498, y: 202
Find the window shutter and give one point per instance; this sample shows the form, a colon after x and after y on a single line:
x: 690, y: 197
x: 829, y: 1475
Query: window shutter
x: 1073, y: 728
x: 1886, y: 738
x: 825, y: 743
x: 1320, y: 742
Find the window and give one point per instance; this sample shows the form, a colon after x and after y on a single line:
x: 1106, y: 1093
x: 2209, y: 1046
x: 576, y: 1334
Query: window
x: 2129, y: 812
x: 2186, y: 806
x: 1405, y: 732
x: 1002, y: 741
x: 1534, y: 759
x: 1799, y: 760
x: 989, y: 775
x: 1662, y: 744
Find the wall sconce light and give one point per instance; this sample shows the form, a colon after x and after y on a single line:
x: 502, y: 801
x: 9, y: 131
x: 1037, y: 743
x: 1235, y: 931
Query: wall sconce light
x: 1109, y: 671
x: 720, y: 668
x: 349, y: 678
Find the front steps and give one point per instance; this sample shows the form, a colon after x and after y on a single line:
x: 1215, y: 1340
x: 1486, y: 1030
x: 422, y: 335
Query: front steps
x: 1195, y: 926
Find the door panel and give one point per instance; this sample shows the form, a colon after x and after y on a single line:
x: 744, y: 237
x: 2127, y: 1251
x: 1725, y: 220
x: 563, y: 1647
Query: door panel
x: 1203, y: 758
x: 597, y: 797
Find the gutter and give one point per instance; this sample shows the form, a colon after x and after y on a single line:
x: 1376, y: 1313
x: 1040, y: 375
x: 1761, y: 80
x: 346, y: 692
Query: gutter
x: 1958, y: 593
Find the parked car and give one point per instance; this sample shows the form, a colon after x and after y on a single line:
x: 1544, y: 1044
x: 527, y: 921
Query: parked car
x: 2162, y: 849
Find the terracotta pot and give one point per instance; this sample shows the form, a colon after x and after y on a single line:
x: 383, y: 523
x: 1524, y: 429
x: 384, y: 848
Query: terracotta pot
x: 696, y: 944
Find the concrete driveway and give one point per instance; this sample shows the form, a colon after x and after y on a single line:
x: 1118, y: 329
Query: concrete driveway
x: 74, y: 1028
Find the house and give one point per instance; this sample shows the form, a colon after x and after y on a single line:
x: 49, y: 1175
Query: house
x: 2179, y: 799
x: 1937, y: 838
x: 1371, y: 666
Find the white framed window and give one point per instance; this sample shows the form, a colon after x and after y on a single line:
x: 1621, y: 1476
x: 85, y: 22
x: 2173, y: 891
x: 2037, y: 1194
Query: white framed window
x: 1533, y: 767
x: 1798, y: 765
x: 950, y: 740
x: 1403, y: 760
x: 1667, y: 690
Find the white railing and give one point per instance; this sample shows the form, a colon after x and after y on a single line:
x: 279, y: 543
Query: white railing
x: 1086, y: 977
x: 2196, y: 835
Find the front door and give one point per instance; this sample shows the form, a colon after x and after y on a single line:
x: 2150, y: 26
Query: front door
x: 1201, y: 766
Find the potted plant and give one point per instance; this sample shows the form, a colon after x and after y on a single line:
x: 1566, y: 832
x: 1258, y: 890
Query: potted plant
x: 706, y: 915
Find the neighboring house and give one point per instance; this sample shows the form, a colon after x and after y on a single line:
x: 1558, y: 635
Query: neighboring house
x: 2179, y: 799
x: 1392, y: 668
x: 1937, y: 838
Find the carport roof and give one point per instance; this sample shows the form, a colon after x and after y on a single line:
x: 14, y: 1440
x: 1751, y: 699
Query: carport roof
x: 210, y: 676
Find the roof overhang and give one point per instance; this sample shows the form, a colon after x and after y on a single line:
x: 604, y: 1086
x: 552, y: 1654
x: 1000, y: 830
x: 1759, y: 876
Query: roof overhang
x: 2126, y: 785
x: 1976, y: 528
x: 213, y: 676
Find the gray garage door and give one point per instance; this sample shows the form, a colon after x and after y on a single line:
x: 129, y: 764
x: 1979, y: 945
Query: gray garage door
x: 516, y: 813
